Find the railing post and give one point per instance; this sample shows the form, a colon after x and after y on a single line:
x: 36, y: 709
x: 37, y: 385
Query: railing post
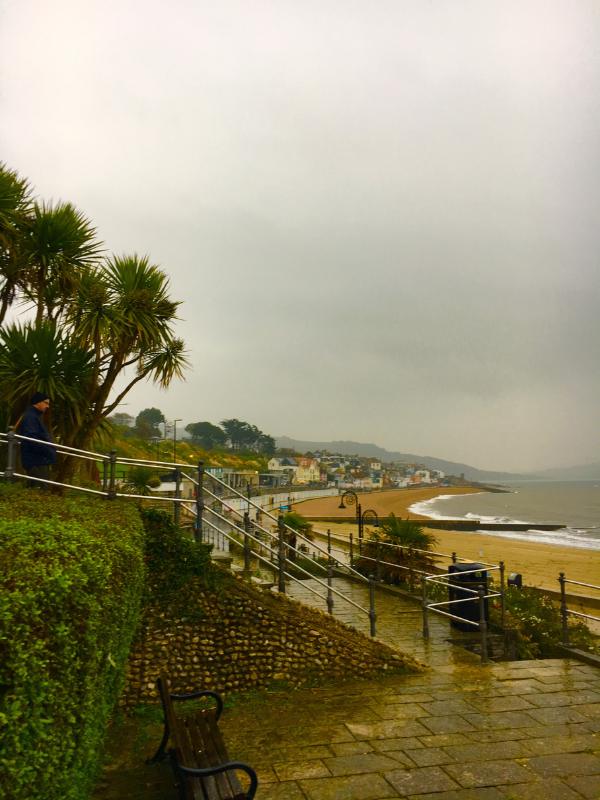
x: 563, y: 609
x: 176, y: 505
x: 351, y: 549
x: 105, y: 474
x: 502, y: 590
x: 372, y: 614
x: 281, y: 556
x: 329, y: 592
x: 199, y: 502
x: 247, y: 524
x: 11, y: 455
x: 424, y: 604
x: 482, y: 625
x: 453, y: 557
x: 112, y: 475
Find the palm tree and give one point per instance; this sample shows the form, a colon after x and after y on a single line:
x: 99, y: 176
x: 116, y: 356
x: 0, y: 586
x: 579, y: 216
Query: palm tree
x: 410, y: 553
x: 58, y: 244
x: 43, y: 359
x: 15, y: 204
x: 406, y: 532
x: 124, y: 316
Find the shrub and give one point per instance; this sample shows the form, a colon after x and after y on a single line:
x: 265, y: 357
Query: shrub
x: 71, y: 580
x: 536, y: 624
x: 172, y: 557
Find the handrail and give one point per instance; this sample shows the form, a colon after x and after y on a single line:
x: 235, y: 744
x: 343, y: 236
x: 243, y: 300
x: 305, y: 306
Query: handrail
x: 296, y: 533
x: 566, y: 612
x: 297, y: 566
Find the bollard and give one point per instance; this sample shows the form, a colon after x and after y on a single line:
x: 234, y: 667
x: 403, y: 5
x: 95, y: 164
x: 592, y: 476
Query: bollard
x: 247, y: 525
x: 378, y: 563
x: 502, y: 598
x: 199, y: 503
x: 329, y: 592
x: 563, y: 609
x: 112, y: 475
x: 372, y: 614
x: 11, y: 455
x: 351, y: 550
x: 453, y: 557
x: 281, y: 556
x: 176, y: 505
x: 482, y: 624
x: 425, y: 609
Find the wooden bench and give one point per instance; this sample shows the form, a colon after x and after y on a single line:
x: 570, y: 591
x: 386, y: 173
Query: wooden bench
x: 198, y: 754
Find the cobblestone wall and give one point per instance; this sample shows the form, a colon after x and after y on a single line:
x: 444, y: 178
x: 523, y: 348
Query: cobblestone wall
x: 241, y: 637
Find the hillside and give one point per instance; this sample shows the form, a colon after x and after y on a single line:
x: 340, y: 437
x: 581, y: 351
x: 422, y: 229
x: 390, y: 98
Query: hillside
x: 364, y: 449
x: 187, y: 453
x: 580, y: 472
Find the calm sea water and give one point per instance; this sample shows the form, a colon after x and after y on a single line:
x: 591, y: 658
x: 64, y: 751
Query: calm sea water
x: 575, y: 504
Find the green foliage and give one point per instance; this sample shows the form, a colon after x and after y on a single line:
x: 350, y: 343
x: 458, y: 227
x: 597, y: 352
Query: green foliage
x: 147, y: 422
x: 206, y: 434
x: 95, y: 317
x: 140, y: 480
x: 406, y: 532
x: 243, y: 436
x: 299, y: 523
x: 536, y: 624
x: 71, y: 581
x: 409, y: 550
x: 173, y: 558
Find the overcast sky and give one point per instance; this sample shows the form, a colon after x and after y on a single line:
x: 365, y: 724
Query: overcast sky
x: 382, y: 217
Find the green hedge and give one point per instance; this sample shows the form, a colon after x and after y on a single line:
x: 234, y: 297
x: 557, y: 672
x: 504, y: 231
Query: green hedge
x: 71, y: 581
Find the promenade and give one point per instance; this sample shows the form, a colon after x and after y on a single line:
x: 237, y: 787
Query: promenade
x: 460, y: 731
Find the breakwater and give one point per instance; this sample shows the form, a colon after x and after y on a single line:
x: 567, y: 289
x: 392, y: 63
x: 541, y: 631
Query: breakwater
x: 458, y: 524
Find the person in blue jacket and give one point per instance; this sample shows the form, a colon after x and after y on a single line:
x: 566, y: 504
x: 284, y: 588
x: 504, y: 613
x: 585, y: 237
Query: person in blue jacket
x: 36, y: 457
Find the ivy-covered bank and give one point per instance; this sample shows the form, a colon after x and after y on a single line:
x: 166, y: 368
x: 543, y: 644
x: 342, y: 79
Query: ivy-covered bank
x: 71, y: 583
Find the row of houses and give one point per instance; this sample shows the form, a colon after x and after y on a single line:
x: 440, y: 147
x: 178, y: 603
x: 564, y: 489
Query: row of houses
x: 346, y: 472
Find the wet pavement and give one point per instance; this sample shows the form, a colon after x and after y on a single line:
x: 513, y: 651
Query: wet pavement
x: 460, y: 731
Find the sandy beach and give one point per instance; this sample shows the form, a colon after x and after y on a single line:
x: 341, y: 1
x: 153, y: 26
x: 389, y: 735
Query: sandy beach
x: 539, y: 563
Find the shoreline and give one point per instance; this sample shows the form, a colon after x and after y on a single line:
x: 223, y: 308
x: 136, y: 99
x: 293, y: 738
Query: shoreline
x: 539, y: 562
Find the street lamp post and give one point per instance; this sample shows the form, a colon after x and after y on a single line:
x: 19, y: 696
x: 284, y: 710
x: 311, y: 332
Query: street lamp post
x: 175, y: 421
x: 352, y: 499
x: 361, y: 516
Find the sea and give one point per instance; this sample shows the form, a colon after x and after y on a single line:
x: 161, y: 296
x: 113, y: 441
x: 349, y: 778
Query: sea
x: 574, y: 504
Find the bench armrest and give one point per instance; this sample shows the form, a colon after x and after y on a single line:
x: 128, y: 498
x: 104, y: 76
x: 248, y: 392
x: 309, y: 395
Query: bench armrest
x: 204, y: 693
x: 205, y: 773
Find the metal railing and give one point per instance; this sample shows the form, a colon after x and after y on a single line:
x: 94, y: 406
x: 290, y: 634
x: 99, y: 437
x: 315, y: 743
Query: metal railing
x: 427, y: 578
x: 566, y: 612
x: 197, y: 510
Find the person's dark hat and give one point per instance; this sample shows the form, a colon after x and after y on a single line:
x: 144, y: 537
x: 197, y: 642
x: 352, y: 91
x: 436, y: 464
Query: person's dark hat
x: 38, y: 397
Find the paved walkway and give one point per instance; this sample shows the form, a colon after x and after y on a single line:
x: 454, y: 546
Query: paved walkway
x: 461, y: 731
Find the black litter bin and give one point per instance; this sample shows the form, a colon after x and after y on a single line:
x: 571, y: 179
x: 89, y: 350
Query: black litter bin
x: 458, y: 582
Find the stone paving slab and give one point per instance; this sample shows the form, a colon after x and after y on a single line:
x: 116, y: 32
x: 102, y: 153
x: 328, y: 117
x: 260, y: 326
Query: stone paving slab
x: 461, y: 731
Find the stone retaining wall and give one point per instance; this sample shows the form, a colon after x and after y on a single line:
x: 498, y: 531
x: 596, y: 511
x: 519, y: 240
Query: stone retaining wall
x: 241, y: 637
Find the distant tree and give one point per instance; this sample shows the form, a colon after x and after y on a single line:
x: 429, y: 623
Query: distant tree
x: 266, y: 444
x: 122, y: 419
x: 244, y: 436
x: 206, y: 434
x: 147, y: 422
x: 236, y: 432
